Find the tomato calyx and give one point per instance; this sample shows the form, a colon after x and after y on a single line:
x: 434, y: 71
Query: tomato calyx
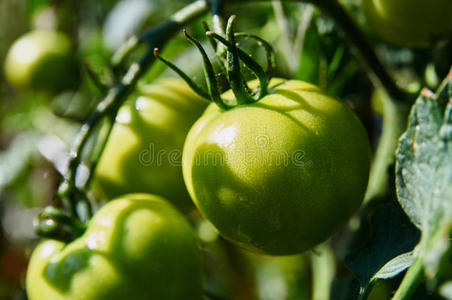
x: 54, y: 224
x: 230, y: 60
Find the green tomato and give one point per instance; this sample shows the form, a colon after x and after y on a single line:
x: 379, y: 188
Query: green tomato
x: 410, y: 23
x: 42, y: 60
x: 144, y: 151
x: 136, y: 247
x: 280, y: 175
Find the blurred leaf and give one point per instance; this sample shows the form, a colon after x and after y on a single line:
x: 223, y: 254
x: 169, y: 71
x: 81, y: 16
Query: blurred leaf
x: 310, y: 56
x: 389, y: 236
x: 15, y: 160
x: 74, y: 106
x: 124, y: 20
x: 424, y: 174
x: 445, y: 290
x: 55, y: 151
x: 35, y: 5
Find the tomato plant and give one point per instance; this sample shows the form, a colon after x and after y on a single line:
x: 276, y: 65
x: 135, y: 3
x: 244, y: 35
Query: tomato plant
x: 144, y: 150
x: 307, y: 143
x: 280, y: 175
x: 410, y: 23
x: 42, y: 60
x: 137, y: 246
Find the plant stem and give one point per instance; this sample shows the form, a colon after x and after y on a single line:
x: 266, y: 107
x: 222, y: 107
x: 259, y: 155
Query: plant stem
x: 155, y: 38
x: 394, y: 123
x: 412, y: 279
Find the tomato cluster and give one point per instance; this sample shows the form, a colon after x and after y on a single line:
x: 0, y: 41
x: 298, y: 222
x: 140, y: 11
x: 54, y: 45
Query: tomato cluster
x: 275, y: 176
x: 276, y: 166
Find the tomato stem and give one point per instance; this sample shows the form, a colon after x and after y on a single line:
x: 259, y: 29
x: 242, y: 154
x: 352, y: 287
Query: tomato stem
x: 209, y: 72
x: 194, y: 86
x: 233, y: 67
x: 269, y: 52
x: 211, y: 40
x: 261, y: 75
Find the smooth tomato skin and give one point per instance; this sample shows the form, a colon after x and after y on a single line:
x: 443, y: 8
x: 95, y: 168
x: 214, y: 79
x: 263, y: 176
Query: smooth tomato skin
x: 144, y: 150
x: 42, y: 60
x: 280, y: 175
x: 136, y: 247
x: 410, y: 23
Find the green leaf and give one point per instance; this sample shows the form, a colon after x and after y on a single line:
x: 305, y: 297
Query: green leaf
x: 395, y: 266
x: 390, y: 235
x: 424, y: 174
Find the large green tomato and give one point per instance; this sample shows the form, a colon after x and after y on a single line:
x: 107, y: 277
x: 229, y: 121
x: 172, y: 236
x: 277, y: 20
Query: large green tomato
x: 42, y: 60
x: 280, y: 175
x: 136, y: 247
x: 144, y: 151
x: 410, y: 23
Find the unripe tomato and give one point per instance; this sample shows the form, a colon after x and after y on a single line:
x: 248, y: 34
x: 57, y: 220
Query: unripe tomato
x: 136, y: 247
x: 144, y: 151
x: 42, y: 60
x: 280, y: 175
x: 410, y: 23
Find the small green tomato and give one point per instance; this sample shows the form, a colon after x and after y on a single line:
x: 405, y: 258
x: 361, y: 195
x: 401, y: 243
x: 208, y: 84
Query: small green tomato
x: 42, y: 60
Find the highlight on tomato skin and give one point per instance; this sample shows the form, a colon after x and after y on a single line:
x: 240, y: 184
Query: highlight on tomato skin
x: 410, y: 23
x: 42, y: 60
x: 137, y: 246
x: 278, y: 176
